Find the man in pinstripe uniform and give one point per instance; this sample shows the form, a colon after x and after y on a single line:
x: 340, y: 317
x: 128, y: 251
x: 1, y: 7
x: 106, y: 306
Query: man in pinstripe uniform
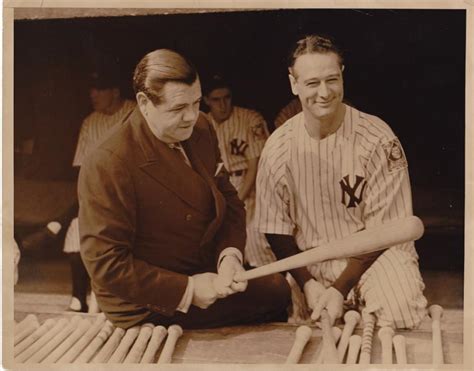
x: 109, y: 109
x: 329, y: 172
x: 241, y: 134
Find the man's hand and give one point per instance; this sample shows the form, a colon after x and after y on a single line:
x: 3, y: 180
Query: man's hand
x: 204, y: 292
x: 333, y: 301
x: 224, y: 283
x: 313, y: 290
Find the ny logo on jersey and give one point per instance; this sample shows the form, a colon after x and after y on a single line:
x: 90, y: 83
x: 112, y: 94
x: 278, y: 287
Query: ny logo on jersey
x: 238, y: 147
x: 352, y: 190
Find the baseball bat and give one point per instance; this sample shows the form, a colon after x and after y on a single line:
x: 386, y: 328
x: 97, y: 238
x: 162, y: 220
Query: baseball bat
x: 351, y: 319
x: 174, y: 333
x: 125, y: 344
x: 367, y: 337
x: 302, y: 336
x: 319, y: 357
x: 385, y: 335
x: 157, y: 336
x: 436, y: 312
x: 329, y: 343
x: 355, y: 342
x: 399, y: 343
x: 140, y: 344
x: 363, y: 242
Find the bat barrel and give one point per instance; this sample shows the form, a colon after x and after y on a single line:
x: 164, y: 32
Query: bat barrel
x: 363, y: 242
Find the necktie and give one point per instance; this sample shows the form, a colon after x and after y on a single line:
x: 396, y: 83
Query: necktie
x: 180, y: 149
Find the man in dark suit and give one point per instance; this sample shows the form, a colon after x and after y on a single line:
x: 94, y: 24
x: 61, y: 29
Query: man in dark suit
x: 162, y: 229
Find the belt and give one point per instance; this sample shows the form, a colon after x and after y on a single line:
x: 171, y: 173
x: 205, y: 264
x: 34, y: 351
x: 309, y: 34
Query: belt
x: 237, y: 173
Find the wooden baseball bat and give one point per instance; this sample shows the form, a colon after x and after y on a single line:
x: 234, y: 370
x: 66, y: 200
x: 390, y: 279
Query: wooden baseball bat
x: 96, y: 343
x: 139, y: 346
x: 302, y: 336
x: 159, y: 333
x: 82, y: 343
x: 399, y: 343
x: 329, y: 344
x: 55, y: 341
x: 354, y: 348
x: 368, y: 240
x: 42, y: 341
x: 336, y: 333
x: 351, y: 319
x: 125, y: 344
x: 436, y: 312
x: 367, y: 335
x: 39, y: 333
x: 64, y: 346
x: 174, y: 332
x: 109, y: 347
x: 26, y: 331
x: 25, y: 328
x: 385, y: 335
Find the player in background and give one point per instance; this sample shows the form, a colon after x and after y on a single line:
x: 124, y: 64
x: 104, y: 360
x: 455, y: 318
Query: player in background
x: 241, y: 133
x: 110, y: 108
x: 327, y: 173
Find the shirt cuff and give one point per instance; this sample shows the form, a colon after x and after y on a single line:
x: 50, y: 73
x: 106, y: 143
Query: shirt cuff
x: 187, y: 298
x: 230, y: 251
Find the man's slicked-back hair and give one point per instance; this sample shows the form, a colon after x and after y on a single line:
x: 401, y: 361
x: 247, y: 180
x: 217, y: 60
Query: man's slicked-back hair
x: 159, y: 67
x: 312, y: 44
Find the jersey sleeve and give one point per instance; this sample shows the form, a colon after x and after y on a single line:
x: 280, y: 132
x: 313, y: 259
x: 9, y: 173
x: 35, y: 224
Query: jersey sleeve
x: 82, y: 144
x: 257, y: 135
x: 272, y: 214
x: 388, y: 186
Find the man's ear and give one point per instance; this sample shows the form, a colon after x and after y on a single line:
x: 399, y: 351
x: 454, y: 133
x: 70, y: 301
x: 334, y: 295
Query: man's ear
x: 116, y: 93
x: 342, y: 68
x: 142, y: 99
x: 294, y: 88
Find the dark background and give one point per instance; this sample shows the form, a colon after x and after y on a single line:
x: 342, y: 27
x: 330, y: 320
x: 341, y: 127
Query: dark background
x: 405, y: 66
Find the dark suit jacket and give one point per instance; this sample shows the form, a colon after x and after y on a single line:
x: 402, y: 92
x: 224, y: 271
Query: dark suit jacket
x: 147, y: 220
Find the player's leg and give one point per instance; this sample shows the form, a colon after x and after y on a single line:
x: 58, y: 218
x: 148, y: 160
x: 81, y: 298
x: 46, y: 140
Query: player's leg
x: 392, y: 288
x: 80, y: 278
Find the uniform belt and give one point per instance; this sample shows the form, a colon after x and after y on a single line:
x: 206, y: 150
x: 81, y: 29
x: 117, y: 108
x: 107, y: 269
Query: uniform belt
x: 237, y: 173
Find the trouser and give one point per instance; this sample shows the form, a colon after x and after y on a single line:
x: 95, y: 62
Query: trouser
x: 391, y: 289
x: 80, y: 278
x: 266, y: 299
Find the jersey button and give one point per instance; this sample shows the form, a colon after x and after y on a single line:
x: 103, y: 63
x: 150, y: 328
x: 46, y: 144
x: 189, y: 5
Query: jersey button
x: 188, y: 217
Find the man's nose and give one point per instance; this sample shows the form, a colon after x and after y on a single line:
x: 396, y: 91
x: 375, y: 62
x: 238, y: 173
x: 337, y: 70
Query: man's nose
x: 323, y: 90
x: 222, y: 105
x: 191, y: 114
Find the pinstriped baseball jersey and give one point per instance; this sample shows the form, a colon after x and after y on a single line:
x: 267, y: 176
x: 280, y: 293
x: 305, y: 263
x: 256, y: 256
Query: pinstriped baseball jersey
x: 322, y: 190
x: 94, y: 128
x: 241, y: 137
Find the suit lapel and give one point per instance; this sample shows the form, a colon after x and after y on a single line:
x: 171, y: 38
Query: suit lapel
x: 219, y: 201
x: 166, y: 166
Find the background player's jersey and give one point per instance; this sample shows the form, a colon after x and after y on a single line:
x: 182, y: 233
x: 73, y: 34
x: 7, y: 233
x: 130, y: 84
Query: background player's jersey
x: 95, y: 128
x: 322, y: 190
x: 241, y: 137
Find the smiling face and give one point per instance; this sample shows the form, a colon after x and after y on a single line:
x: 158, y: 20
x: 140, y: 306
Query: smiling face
x: 173, y: 119
x: 317, y: 79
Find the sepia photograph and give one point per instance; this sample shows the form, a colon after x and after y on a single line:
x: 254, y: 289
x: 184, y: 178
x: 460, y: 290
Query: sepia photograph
x: 254, y: 185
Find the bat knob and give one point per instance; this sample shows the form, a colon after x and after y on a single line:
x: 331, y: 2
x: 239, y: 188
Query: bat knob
x: 352, y: 316
x: 436, y: 311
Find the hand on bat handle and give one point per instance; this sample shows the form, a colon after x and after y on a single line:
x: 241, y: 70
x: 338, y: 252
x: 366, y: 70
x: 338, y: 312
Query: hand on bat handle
x: 313, y: 290
x: 224, y: 283
x: 204, y: 293
x: 331, y: 300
